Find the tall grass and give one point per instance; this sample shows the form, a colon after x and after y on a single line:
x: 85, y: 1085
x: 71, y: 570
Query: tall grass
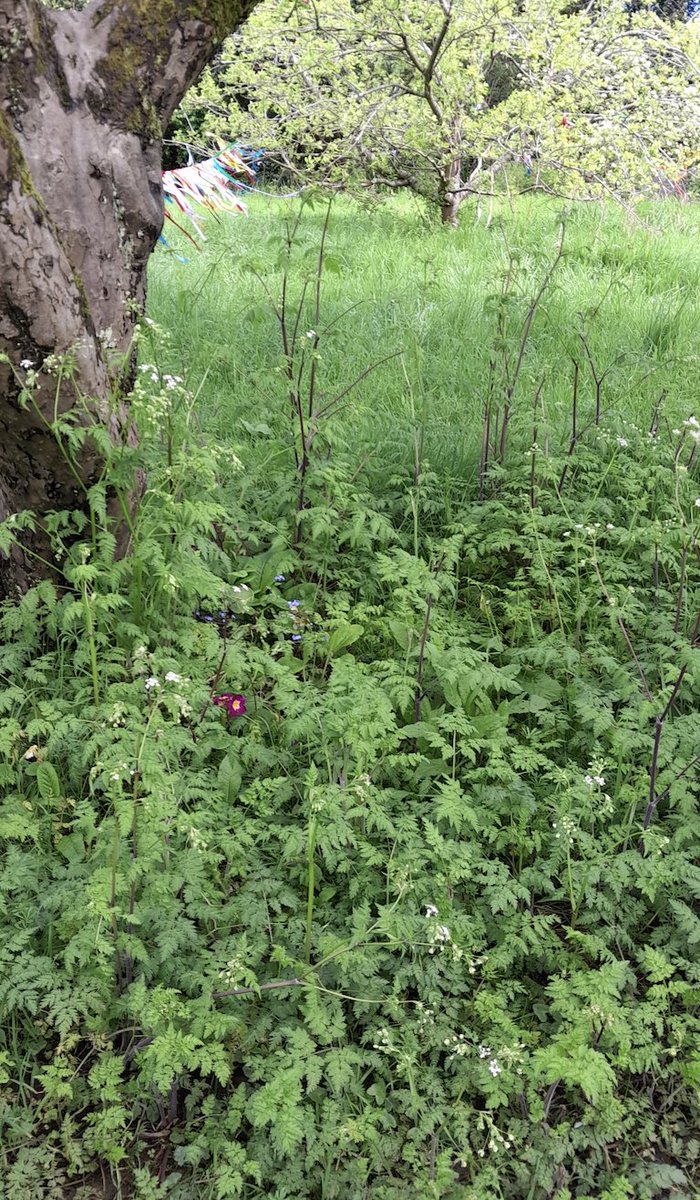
x: 624, y: 303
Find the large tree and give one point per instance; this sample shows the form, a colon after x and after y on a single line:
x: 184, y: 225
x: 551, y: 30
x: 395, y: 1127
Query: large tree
x: 439, y: 95
x: 84, y: 98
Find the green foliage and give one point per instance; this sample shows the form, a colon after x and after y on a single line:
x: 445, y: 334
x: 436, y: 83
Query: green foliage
x: 449, y: 97
x: 399, y: 930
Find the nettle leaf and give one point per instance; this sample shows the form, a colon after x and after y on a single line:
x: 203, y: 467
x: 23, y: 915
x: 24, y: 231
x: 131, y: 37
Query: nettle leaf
x: 71, y: 847
x: 230, y: 777
x: 48, y: 782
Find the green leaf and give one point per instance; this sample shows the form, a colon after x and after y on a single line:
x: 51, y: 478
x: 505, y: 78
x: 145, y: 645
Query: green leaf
x: 230, y: 778
x: 48, y: 782
x: 342, y: 637
x: 401, y: 632
x: 72, y: 847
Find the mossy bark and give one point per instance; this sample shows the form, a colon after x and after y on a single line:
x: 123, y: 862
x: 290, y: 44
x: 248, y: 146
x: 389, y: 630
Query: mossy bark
x: 84, y: 97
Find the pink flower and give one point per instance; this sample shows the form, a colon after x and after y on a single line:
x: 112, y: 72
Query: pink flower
x: 233, y: 703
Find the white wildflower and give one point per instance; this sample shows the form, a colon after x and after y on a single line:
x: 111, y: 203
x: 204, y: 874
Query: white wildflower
x: 622, y: 442
x: 430, y: 910
x: 173, y: 677
x: 494, y: 1067
x: 151, y: 683
x: 106, y: 338
x: 26, y: 364
x: 484, y: 1051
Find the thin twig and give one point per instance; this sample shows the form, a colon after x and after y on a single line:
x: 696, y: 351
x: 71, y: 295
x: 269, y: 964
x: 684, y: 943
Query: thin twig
x: 262, y: 987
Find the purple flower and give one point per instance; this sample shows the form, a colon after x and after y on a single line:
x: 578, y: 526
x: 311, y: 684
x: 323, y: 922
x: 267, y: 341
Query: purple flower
x: 234, y: 703
x: 280, y: 578
x: 296, y: 637
x: 293, y: 603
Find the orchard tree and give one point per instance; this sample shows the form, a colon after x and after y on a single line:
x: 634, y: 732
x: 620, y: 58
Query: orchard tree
x: 84, y: 98
x: 439, y: 96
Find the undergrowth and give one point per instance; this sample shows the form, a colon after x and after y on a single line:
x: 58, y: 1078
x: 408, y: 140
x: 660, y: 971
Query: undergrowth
x: 350, y: 832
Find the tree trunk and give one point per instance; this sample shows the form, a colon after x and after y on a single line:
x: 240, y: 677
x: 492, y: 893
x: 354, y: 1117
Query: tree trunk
x: 451, y: 188
x: 84, y: 97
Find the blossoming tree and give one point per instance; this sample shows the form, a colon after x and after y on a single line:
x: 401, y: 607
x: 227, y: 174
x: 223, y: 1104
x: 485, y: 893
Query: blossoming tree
x: 438, y: 95
x: 84, y: 97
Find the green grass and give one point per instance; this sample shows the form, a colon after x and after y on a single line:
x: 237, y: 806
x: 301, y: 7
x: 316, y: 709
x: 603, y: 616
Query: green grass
x: 631, y: 282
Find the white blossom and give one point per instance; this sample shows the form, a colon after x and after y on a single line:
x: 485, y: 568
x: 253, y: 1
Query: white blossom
x: 26, y: 364
x: 173, y: 677
x: 151, y: 683
x: 494, y: 1068
x: 430, y: 910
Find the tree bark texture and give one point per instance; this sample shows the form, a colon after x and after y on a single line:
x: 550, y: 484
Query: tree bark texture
x: 84, y: 98
x: 451, y: 193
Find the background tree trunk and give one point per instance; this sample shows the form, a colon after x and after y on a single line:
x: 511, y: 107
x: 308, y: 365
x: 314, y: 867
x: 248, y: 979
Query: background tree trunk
x: 451, y: 186
x: 84, y: 97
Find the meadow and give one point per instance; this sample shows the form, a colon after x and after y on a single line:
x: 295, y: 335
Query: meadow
x: 628, y: 282
x: 350, y: 822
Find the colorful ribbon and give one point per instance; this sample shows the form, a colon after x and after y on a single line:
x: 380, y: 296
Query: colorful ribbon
x: 211, y: 185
